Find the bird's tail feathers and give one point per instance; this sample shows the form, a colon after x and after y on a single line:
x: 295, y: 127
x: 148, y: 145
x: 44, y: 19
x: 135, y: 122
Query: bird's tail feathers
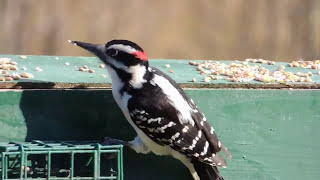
x: 206, y: 171
x: 219, y: 161
x: 226, y: 152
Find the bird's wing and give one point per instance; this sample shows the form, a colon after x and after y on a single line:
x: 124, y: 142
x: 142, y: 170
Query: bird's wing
x: 159, y: 120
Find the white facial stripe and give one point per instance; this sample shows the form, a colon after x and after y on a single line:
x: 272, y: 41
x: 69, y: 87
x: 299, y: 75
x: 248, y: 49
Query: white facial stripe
x: 124, y: 48
x: 117, y: 64
x: 137, y: 71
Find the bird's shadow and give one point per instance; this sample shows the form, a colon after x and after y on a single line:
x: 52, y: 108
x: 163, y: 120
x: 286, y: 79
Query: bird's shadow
x: 90, y: 115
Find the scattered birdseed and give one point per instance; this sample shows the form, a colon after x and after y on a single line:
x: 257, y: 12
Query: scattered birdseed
x: 85, y: 68
x: 67, y: 63
x: 103, y: 75
x: 199, y: 68
x: 315, y: 64
x: 206, y: 79
x: 171, y: 71
x: 26, y: 75
x: 167, y: 65
x: 4, y: 61
x: 262, y: 61
x: 215, y: 77
x: 194, y: 80
x: 308, y: 79
x: 16, y: 77
x: 6, y: 65
x: 244, y: 72
x: 295, y: 64
x: 8, y: 79
x: 13, y: 68
x: 23, y: 57
x: 271, y: 62
x: 56, y: 58
x: 38, y: 69
x: 101, y: 66
x: 82, y: 69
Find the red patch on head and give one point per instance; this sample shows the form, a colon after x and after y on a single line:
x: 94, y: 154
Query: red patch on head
x: 141, y: 55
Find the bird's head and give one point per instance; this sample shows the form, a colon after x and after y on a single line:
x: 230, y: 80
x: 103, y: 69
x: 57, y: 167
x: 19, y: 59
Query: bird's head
x: 121, y: 54
x: 125, y: 60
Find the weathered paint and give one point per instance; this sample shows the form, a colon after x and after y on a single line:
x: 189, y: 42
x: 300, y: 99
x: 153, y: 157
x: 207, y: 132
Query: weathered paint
x: 272, y: 134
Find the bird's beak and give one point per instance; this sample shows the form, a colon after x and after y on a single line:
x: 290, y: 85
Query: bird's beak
x: 97, y: 49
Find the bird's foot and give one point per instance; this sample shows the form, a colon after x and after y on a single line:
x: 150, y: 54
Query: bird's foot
x: 110, y: 141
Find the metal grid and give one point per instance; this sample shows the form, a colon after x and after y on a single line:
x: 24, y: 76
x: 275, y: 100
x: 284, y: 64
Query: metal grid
x: 60, y: 160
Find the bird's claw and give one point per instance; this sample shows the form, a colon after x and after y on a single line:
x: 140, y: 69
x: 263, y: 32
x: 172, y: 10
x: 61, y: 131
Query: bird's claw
x: 110, y: 141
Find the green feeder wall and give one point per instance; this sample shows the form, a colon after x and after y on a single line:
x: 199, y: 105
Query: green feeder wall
x: 270, y: 129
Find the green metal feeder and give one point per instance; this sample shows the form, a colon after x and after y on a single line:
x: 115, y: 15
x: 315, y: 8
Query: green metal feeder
x: 60, y: 160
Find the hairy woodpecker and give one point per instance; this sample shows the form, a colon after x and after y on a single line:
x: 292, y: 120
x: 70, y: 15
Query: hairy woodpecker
x: 166, y: 120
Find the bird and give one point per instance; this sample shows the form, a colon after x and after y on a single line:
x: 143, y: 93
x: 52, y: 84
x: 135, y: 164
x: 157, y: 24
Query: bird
x: 167, y: 121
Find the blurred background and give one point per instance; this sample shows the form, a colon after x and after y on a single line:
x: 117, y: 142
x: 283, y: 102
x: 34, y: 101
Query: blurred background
x: 281, y: 30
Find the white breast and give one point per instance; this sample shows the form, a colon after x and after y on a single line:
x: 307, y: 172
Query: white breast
x: 122, y: 102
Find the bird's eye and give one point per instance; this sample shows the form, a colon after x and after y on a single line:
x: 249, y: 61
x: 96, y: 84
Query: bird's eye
x: 112, y: 52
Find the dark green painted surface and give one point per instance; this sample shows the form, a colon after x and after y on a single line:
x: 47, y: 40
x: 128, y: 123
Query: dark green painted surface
x: 272, y: 134
x: 56, y: 72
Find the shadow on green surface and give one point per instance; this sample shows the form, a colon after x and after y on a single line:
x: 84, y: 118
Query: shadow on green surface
x: 91, y: 115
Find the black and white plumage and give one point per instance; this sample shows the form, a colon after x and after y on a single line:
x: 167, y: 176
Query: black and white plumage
x: 166, y: 120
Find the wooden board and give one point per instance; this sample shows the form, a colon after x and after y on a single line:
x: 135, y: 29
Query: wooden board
x: 56, y: 74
